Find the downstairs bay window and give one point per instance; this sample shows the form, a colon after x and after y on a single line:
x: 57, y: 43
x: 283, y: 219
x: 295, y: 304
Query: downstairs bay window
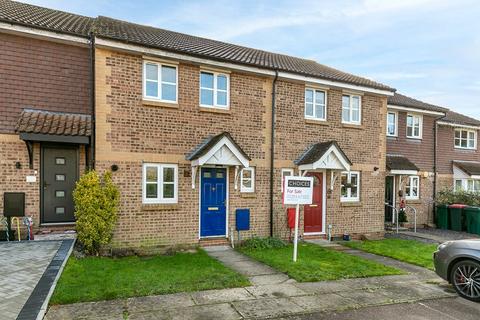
x: 471, y: 185
x: 160, y: 183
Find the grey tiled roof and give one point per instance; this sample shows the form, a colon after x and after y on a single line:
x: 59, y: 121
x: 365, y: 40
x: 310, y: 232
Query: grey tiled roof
x: 471, y: 168
x: 398, y: 162
x: 55, y: 123
x: 457, y: 118
x: 404, y: 101
x: 108, y: 28
x: 43, y: 18
x: 209, y: 142
x: 316, y: 151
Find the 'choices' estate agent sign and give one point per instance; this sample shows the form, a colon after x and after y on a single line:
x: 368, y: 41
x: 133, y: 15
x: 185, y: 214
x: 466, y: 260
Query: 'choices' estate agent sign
x: 298, y: 190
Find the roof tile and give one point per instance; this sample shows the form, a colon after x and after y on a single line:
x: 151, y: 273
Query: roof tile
x: 55, y: 123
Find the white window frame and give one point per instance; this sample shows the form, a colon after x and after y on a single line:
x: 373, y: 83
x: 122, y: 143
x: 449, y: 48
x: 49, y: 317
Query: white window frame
x: 160, y: 198
x: 242, y: 187
x: 395, y: 134
x: 215, y: 90
x: 466, y: 185
x: 159, y: 81
x: 348, y: 197
x: 420, y: 126
x: 409, y: 196
x: 324, y: 105
x: 285, y: 170
x: 350, y: 109
x: 468, y: 139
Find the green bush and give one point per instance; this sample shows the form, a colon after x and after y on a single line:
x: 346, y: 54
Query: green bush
x: 450, y: 196
x: 96, y: 204
x: 263, y: 243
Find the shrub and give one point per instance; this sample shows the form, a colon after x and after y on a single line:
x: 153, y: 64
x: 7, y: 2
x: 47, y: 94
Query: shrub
x: 450, y: 196
x: 263, y: 243
x: 96, y: 204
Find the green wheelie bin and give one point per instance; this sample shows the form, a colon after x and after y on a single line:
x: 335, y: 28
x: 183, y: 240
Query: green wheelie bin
x: 472, y: 215
x: 442, y: 217
x: 456, y: 216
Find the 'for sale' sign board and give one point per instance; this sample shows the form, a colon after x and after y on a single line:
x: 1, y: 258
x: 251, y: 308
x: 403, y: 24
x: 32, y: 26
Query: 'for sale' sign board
x: 298, y: 190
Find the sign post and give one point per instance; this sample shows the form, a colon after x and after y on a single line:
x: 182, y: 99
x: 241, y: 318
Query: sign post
x: 298, y: 190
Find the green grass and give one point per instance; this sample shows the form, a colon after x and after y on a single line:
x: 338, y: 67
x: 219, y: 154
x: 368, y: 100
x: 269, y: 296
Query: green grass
x: 315, y: 263
x: 411, y: 251
x: 101, y: 278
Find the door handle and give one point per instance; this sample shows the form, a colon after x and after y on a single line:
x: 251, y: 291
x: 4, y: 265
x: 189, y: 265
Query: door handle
x: 313, y: 205
x: 45, y: 184
x: 212, y: 208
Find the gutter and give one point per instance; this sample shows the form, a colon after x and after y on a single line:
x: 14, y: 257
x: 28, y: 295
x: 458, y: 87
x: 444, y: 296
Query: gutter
x: 92, y: 100
x: 272, y: 149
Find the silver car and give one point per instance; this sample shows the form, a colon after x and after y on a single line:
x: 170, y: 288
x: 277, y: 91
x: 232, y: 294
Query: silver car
x: 458, y: 262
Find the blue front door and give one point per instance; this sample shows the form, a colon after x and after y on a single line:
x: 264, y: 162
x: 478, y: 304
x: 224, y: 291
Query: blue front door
x: 213, y: 211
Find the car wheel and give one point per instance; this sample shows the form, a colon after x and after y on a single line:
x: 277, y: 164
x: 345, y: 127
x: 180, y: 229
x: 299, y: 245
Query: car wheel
x: 465, y: 278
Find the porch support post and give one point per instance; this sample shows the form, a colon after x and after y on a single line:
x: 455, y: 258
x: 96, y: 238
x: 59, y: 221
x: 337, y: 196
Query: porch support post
x: 237, y: 173
x: 30, y: 153
x: 194, y: 175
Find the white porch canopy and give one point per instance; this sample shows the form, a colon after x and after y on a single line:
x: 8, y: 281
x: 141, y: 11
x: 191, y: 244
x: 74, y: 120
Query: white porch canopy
x: 219, y: 150
x: 324, y: 156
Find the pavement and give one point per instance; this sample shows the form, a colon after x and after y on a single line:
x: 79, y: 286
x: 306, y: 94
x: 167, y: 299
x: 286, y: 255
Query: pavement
x: 271, y: 295
x: 441, y: 309
x: 25, y: 278
x: 435, y: 235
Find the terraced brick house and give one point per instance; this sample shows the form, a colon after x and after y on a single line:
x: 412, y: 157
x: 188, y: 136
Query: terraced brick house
x: 411, y: 157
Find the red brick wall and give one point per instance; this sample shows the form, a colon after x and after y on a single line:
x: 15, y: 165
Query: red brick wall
x: 41, y: 75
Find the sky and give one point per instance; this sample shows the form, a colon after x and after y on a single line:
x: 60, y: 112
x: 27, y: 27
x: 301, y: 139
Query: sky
x: 426, y: 49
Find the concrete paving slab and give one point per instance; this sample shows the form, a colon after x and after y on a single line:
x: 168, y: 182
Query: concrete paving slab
x: 283, y: 290
x: 222, y: 311
x: 322, y: 287
x: 249, y: 268
x: 267, y: 308
x: 269, y: 279
x: 152, y: 315
x: 160, y: 302
x: 324, y: 302
x: 414, y: 291
x: 223, y: 295
x: 89, y: 310
x: 366, y: 297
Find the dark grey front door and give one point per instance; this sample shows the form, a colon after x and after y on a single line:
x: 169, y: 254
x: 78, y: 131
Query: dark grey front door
x: 59, y: 174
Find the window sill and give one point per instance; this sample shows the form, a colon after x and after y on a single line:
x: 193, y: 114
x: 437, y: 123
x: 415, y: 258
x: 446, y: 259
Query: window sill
x: 159, y: 206
x: 214, y: 110
x: 413, y: 139
x: 413, y: 201
x: 352, y: 126
x: 162, y: 104
x: 350, y: 203
x: 248, y: 194
x: 465, y: 149
x: 319, y: 122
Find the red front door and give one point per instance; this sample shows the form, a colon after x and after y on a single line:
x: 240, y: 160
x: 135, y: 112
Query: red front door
x: 313, y: 214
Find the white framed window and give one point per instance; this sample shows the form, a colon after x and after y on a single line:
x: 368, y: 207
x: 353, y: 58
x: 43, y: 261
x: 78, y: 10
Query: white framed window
x: 392, y: 124
x: 350, y: 186
x: 286, y: 172
x: 160, y: 81
x: 315, y: 104
x: 412, y: 188
x: 247, y: 180
x: 414, y: 126
x: 465, y: 139
x: 214, y: 90
x: 472, y: 185
x: 351, y: 109
x: 160, y: 183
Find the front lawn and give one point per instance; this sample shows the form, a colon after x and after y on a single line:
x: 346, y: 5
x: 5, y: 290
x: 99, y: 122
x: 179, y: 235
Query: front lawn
x: 315, y: 263
x: 411, y: 251
x: 101, y: 278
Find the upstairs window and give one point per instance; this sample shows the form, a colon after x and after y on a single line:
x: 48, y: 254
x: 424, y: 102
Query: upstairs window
x: 350, y: 186
x: 214, y: 90
x: 160, y: 183
x: 412, y: 188
x: 392, y: 119
x: 247, y: 180
x: 351, y: 109
x: 159, y: 82
x: 315, y: 104
x: 465, y: 139
x: 414, y: 126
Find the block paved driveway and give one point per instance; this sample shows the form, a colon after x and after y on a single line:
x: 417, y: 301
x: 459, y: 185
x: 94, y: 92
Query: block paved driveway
x: 22, y: 264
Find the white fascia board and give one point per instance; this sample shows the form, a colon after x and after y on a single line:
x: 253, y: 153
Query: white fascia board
x: 405, y: 172
x: 224, y: 141
x: 458, y: 125
x: 415, y: 110
x: 42, y: 34
x: 100, y: 42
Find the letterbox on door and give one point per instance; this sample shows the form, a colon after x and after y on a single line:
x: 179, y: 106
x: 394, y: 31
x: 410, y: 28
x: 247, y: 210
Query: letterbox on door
x: 242, y: 219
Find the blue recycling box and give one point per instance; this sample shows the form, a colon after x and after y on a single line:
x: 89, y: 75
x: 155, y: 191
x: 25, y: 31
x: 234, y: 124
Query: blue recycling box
x: 242, y: 217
